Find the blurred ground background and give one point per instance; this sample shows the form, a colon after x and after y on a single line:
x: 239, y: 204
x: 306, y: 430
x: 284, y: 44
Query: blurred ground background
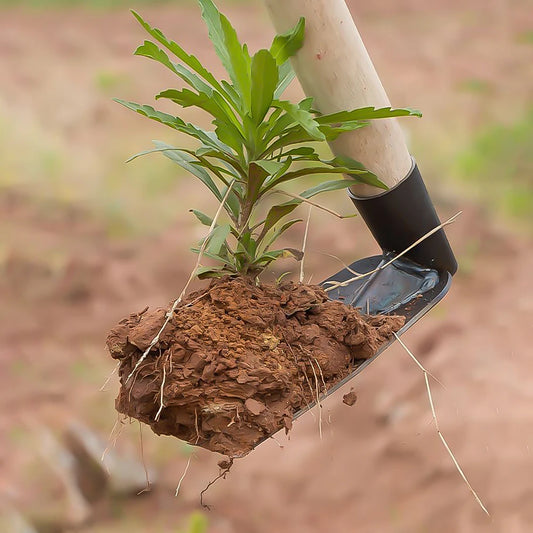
x: 85, y: 239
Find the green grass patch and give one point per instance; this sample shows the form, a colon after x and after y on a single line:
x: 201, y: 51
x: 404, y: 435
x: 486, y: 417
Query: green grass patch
x: 498, y: 166
x: 128, y: 200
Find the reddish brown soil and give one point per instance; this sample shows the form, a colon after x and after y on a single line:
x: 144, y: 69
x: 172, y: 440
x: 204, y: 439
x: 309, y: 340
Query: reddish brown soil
x: 237, y: 361
x: 380, y: 467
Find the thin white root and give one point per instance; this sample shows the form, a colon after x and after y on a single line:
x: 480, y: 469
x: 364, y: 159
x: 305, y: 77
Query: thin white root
x: 113, y: 372
x: 113, y: 437
x: 321, y: 375
x: 170, y: 312
x: 314, y: 204
x: 161, y: 399
x: 190, y: 456
x: 148, y: 482
x: 304, y: 245
x: 436, y: 422
x: 337, y: 284
x: 183, y: 476
x: 342, y: 263
x: 318, y: 404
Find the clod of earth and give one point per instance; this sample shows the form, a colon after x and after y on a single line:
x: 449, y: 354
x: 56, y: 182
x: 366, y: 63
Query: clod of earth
x: 237, y: 360
x: 349, y: 398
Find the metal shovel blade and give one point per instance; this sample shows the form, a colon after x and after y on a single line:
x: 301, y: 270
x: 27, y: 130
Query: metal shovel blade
x: 380, y: 285
x: 376, y: 285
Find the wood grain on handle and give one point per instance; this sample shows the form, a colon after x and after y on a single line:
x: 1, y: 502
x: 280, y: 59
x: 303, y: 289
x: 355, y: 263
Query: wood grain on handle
x: 334, y: 68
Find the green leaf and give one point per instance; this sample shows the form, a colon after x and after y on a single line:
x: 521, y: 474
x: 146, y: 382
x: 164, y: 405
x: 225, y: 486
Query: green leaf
x: 295, y: 135
x: 222, y: 257
x: 188, y: 98
x: 247, y: 245
x: 327, y: 186
x: 289, y: 176
x: 278, y: 232
x: 306, y: 104
x: 282, y: 169
x: 346, y: 162
x: 287, y: 44
x: 301, y: 150
x: 150, y: 112
x: 211, y: 102
x: 256, y: 177
x: 303, y: 117
x: 277, y: 124
x: 233, y: 55
x: 217, y: 239
x: 229, y: 135
x: 264, y: 82
x: 334, y: 130
x: 185, y: 161
x: 367, y: 113
x: 276, y: 213
x: 179, y: 52
x: 232, y: 202
x: 285, y: 76
x: 208, y: 138
x: 356, y: 170
x: 152, y: 51
x: 269, y: 166
x: 272, y: 255
x: 202, y: 217
x: 240, y: 62
x: 206, y: 272
x: 211, y: 16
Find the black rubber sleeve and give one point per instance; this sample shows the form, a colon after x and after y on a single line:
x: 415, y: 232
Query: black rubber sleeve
x: 403, y: 214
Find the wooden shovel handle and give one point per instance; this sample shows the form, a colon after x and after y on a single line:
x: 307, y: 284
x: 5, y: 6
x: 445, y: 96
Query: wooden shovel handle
x: 334, y: 68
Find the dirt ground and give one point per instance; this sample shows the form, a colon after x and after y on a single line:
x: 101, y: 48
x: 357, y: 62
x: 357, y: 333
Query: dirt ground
x: 64, y: 282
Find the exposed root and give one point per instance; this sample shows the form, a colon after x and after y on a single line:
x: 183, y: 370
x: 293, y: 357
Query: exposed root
x: 183, y: 476
x: 148, y: 487
x: 161, y: 400
x: 113, y: 437
x: 196, y: 425
x: 224, y: 472
x: 347, y: 267
x: 305, y: 244
x: 436, y: 422
x: 317, y: 395
x: 337, y: 284
x: 314, y: 204
x: 312, y: 394
x: 295, y: 357
x: 113, y: 372
x: 178, y: 487
x: 321, y: 374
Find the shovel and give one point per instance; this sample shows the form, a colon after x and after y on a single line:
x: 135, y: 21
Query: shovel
x: 335, y: 69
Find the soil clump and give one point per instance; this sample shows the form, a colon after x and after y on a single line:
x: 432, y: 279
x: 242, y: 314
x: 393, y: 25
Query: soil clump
x: 238, y: 360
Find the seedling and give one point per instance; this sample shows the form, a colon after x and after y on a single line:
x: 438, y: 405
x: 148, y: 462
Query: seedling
x: 260, y: 141
x: 228, y: 366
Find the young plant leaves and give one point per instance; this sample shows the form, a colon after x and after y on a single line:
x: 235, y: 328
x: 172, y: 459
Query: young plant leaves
x: 252, y: 145
x: 264, y: 83
x: 303, y: 117
x: 233, y: 55
x: 217, y: 239
x: 287, y: 44
x: 179, y: 52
